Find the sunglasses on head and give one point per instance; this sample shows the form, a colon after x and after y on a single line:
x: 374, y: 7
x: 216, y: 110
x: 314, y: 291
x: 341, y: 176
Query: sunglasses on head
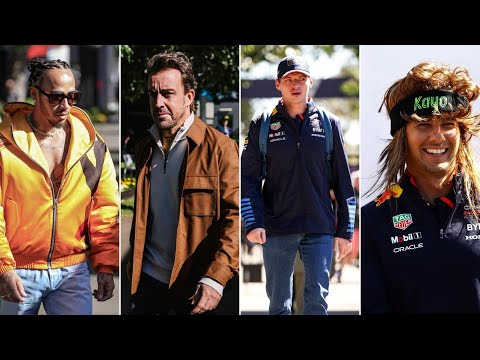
x: 56, y: 97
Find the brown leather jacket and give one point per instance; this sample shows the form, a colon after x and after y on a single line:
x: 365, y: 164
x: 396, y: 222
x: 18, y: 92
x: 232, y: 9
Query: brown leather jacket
x: 207, y: 232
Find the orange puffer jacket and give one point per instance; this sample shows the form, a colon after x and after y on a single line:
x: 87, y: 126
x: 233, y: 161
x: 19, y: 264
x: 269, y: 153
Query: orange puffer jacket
x: 39, y: 231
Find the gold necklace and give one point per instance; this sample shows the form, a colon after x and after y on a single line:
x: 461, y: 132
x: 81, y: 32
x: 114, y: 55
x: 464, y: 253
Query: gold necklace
x: 37, y: 130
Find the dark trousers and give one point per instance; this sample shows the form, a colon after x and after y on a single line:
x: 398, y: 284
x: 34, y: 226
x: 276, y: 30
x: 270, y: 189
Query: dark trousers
x: 154, y: 298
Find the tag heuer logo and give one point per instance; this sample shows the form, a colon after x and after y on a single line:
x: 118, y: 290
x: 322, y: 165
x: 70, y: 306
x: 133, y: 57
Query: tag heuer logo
x: 402, y: 221
x: 275, y: 126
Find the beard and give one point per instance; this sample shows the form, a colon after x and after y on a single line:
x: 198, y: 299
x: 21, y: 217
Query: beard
x: 61, y: 124
x: 168, y: 120
x: 165, y: 123
x: 49, y: 115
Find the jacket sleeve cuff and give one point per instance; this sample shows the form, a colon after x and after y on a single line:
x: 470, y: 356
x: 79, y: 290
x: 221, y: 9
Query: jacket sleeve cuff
x: 344, y: 235
x: 212, y: 283
x: 219, y: 272
x: 5, y: 268
x: 105, y: 269
x: 254, y: 226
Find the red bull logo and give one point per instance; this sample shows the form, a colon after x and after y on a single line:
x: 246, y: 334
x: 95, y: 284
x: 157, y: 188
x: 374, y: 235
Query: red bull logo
x: 393, y: 191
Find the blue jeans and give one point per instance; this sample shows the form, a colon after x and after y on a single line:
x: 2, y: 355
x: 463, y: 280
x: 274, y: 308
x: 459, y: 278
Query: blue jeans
x: 63, y: 291
x: 279, y: 254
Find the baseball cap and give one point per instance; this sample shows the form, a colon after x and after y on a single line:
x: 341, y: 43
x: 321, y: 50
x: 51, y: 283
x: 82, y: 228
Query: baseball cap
x: 292, y: 63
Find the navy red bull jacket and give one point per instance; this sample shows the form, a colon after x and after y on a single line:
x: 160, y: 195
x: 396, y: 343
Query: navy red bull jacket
x: 418, y: 258
x: 295, y: 197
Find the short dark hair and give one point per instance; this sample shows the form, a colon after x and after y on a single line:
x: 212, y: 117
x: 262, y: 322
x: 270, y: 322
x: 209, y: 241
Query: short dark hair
x: 38, y: 65
x: 174, y: 60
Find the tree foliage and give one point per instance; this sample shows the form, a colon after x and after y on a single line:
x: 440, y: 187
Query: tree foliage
x: 215, y: 67
x: 253, y: 54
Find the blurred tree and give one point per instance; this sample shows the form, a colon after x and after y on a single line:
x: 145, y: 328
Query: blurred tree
x: 253, y: 54
x: 215, y: 68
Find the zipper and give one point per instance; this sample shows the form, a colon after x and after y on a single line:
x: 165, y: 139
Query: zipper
x: 442, y: 232
x: 301, y: 159
x: 165, y: 163
x: 55, y: 200
x: 55, y: 203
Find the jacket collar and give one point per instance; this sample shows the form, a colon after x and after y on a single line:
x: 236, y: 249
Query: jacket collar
x: 17, y: 130
x: 180, y: 135
x: 310, y: 109
x: 197, y: 131
x: 457, y: 192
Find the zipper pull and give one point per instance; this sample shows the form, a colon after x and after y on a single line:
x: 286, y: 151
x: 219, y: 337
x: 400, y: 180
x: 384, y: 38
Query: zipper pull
x: 298, y: 145
x: 441, y: 233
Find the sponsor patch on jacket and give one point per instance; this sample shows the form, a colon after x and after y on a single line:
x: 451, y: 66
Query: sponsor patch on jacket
x: 277, y: 136
x: 393, y: 191
x: 315, y: 123
x: 278, y: 139
x: 409, y: 239
x: 467, y: 211
x: 408, y: 248
x: 402, y: 221
x: 245, y: 143
x: 473, y: 227
x: 275, y: 126
x: 4, y: 142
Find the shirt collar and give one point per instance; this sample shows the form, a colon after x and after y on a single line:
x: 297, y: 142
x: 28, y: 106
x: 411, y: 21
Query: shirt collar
x: 180, y: 135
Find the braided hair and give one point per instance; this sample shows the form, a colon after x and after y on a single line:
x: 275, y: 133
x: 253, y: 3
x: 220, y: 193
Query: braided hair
x: 38, y: 65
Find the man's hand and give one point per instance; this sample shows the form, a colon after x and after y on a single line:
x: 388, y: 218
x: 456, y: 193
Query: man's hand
x: 257, y: 236
x: 11, y: 287
x: 342, y: 247
x: 105, y: 287
x: 205, y: 298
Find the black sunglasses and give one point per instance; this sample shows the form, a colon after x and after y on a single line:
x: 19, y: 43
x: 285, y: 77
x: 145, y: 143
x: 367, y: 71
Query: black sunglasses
x: 56, y: 97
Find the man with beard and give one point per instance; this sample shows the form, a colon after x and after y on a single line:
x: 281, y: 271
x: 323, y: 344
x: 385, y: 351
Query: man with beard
x: 59, y: 200
x: 184, y: 237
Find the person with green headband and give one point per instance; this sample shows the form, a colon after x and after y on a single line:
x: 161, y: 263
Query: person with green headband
x: 420, y: 239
